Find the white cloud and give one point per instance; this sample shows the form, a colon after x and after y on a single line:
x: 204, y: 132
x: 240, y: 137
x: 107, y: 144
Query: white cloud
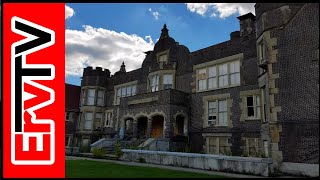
x: 105, y: 48
x: 69, y: 12
x: 223, y: 10
x: 155, y: 14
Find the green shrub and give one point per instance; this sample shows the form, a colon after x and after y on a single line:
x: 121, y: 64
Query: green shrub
x: 84, y: 148
x: 187, y: 148
x: 117, y: 150
x: 98, y: 152
x: 142, y: 160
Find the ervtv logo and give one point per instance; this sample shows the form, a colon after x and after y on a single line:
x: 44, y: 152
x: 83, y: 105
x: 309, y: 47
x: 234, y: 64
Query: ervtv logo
x: 25, y: 92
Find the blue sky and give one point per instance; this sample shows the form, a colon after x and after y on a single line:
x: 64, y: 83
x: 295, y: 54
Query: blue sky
x: 107, y: 34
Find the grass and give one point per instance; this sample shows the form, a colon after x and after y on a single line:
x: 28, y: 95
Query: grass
x: 96, y: 169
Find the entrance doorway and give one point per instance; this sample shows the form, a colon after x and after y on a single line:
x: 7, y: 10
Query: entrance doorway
x: 142, y: 126
x: 157, y: 127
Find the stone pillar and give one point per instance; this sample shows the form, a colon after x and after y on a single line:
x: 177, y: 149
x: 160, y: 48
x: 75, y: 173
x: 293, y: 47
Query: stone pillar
x: 149, y: 128
x: 135, y: 128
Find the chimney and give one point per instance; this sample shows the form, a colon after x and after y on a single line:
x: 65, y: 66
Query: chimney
x: 247, y: 26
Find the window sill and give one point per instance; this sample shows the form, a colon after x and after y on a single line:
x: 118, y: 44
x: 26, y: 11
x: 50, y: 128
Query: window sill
x: 199, y: 91
x: 207, y: 126
x: 253, y: 119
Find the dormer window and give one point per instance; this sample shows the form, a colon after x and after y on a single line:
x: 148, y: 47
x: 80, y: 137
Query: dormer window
x: 163, y: 58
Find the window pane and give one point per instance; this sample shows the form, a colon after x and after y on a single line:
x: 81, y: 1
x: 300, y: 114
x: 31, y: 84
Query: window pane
x: 90, y: 101
x: 250, y: 101
x: 221, y: 81
x: 91, y: 92
x: 225, y: 80
x: 212, y: 105
x: 128, y: 90
x: 133, y: 90
x: 100, y: 94
x: 222, y: 106
x: 237, y: 78
x: 88, y: 116
x: 123, y: 92
x: 250, y: 111
x: 237, y: 66
x: 119, y: 92
x: 232, y: 67
x: 157, y: 79
x: 212, y: 71
x: 258, y: 100
x: 167, y: 79
x: 212, y: 83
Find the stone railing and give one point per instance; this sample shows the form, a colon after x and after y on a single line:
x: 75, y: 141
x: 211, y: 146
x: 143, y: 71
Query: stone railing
x: 245, y: 165
x: 169, y: 96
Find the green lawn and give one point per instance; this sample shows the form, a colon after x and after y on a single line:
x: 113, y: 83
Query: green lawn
x: 96, y: 169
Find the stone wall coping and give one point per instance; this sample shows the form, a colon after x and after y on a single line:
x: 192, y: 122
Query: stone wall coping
x: 213, y: 156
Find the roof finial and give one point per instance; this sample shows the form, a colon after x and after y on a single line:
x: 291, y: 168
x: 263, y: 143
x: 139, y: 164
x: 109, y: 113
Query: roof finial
x: 123, y: 67
x: 164, y: 32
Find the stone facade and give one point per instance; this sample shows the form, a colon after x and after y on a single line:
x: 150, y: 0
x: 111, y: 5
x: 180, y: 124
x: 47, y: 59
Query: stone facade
x: 253, y: 95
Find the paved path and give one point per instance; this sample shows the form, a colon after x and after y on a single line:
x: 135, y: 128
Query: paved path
x: 166, y: 167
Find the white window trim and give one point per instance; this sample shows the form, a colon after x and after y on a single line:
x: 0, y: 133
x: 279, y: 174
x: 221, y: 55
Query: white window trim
x: 105, y: 118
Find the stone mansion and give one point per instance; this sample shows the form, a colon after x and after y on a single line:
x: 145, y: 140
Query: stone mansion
x: 256, y: 94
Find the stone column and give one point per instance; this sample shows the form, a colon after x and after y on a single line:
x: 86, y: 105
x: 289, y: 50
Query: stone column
x: 149, y: 128
x: 135, y: 128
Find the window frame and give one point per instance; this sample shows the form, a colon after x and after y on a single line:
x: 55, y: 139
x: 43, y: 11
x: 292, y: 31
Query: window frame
x: 120, y: 91
x: 88, y: 96
x: 85, y: 120
x: 217, y: 113
x: 108, y: 119
x: 99, y: 98
x: 256, y: 146
x: 163, y: 81
x: 217, y: 145
x: 219, y: 77
x: 255, y: 107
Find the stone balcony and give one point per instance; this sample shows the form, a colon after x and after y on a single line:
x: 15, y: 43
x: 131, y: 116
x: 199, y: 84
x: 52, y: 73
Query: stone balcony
x: 169, y: 96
